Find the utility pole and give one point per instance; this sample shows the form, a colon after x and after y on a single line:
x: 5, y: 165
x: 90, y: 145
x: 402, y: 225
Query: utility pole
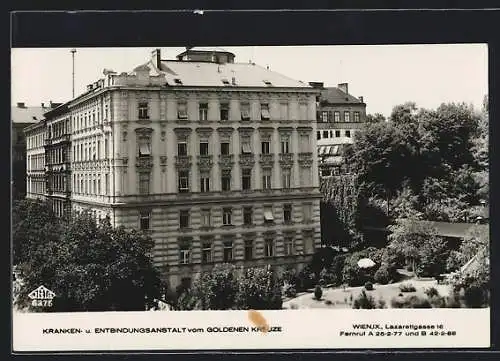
x: 73, y: 51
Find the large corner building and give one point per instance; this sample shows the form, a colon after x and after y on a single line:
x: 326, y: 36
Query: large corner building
x: 215, y: 159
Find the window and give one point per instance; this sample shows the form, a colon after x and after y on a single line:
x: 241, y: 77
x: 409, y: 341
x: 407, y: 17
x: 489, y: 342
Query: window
x: 248, y: 249
x: 184, y: 252
x: 246, y: 178
x: 183, y: 181
x: 266, y: 147
x: 203, y: 111
x: 144, y: 147
x: 303, y: 111
x: 204, y: 183
x: 145, y: 218
x: 287, y: 213
x: 144, y: 180
x: 245, y: 111
x: 284, y: 111
x: 306, y: 212
x: 143, y: 110
x: 324, y: 116
x: 269, y: 247
x: 336, y: 116
x: 226, y: 182
x: 205, y: 218
x: 183, y: 219
x: 356, y: 116
x: 266, y: 179
x: 347, y: 116
x: 203, y: 148
x: 286, y: 177
x: 228, y: 251
x: 224, y: 111
x: 268, y: 214
x: 325, y: 133
x: 247, y: 216
x: 285, y: 145
x: 181, y: 149
x: 264, y: 112
x: 348, y: 133
x: 289, y: 246
x: 226, y: 216
x: 224, y: 148
x: 182, y: 111
x: 318, y: 135
x: 246, y: 148
x: 206, y: 252
x: 106, y: 178
x: 308, y: 244
x: 337, y: 133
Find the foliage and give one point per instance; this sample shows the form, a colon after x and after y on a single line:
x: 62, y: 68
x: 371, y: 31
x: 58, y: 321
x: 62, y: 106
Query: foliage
x: 352, y: 274
x: 375, y: 118
x: 217, y: 289
x: 407, y: 287
x: 93, y: 267
x: 318, y: 292
x: 431, y: 292
x: 369, y: 286
x: 432, y: 254
x: 34, y: 224
x: 289, y: 291
x: 364, y: 301
x: 306, y: 279
x: 382, y: 275
x: 259, y: 289
x: 412, y: 301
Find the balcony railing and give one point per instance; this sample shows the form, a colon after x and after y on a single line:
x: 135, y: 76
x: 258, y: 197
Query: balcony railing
x: 205, y: 161
x: 226, y: 160
x: 286, y: 158
x: 267, y: 159
x: 247, y: 159
x: 144, y: 162
x: 183, y: 161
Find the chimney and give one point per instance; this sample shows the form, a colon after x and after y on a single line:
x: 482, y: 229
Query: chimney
x: 343, y: 87
x: 317, y: 85
x: 43, y: 105
x: 21, y: 105
x: 156, y: 58
x: 361, y: 99
x: 234, y: 81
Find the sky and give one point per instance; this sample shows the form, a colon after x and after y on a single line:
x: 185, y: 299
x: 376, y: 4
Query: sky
x: 385, y: 75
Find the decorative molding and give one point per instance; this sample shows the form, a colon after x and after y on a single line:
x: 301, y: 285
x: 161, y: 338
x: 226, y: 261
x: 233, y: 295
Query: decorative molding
x: 182, y: 133
x: 183, y: 162
x: 304, y: 130
x: 286, y: 159
x: 205, y: 162
x: 267, y: 160
x: 145, y: 163
x: 247, y: 160
x: 226, y: 161
x: 204, y: 132
x: 163, y: 160
x: 144, y: 131
x: 225, y: 132
x: 246, y: 131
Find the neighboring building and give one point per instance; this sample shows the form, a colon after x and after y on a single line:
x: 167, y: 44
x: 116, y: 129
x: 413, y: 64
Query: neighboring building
x: 58, y: 159
x: 215, y: 159
x: 22, y: 116
x: 340, y: 115
x: 35, y: 160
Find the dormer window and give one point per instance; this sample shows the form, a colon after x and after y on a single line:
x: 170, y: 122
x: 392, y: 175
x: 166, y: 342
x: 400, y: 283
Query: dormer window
x: 268, y: 83
x: 226, y: 82
x: 178, y: 81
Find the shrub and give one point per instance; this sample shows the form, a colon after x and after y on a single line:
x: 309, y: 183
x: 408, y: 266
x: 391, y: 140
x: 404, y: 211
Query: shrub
x: 381, y: 303
x: 369, y: 286
x: 328, y: 302
x: 352, y: 274
x: 289, y: 291
x: 431, y: 292
x: 364, y: 301
x: 318, y: 292
x: 437, y: 301
x: 382, y: 275
x: 305, y: 279
x: 474, y: 297
x: 410, y: 302
x: 407, y: 287
x: 259, y: 289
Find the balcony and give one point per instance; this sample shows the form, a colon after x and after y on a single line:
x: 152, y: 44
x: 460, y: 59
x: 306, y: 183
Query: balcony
x: 205, y: 161
x: 226, y: 161
x: 247, y: 160
x: 286, y: 158
x: 183, y: 161
x: 267, y: 159
x: 305, y: 159
x: 145, y: 162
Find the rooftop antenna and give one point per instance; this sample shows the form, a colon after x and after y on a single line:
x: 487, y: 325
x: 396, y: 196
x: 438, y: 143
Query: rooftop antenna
x: 73, y: 51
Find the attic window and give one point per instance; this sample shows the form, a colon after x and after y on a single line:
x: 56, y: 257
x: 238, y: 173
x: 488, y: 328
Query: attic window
x: 226, y: 82
x: 34, y: 118
x: 268, y: 83
x: 178, y: 81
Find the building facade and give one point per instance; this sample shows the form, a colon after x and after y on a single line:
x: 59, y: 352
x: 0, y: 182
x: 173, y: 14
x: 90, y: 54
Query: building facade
x: 35, y: 160
x: 22, y: 116
x: 215, y: 159
x: 58, y: 160
x: 339, y: 115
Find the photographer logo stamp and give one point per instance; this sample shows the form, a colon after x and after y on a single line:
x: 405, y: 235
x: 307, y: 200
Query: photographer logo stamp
x: 41, y: 297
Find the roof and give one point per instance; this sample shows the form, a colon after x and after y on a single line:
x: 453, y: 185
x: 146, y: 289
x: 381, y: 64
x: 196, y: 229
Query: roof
x: 26, y: 114
x: 193, y: 73
x: 335, y: 96
x: 205, y: 49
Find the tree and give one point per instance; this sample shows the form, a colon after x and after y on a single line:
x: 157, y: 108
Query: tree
x: 33, y: 225
x: 217, y: 289
x: 93, y: 267
x: 375, y: 118
x: 259, y: 289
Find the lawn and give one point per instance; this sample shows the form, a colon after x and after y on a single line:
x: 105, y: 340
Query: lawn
x: 342, y: 298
